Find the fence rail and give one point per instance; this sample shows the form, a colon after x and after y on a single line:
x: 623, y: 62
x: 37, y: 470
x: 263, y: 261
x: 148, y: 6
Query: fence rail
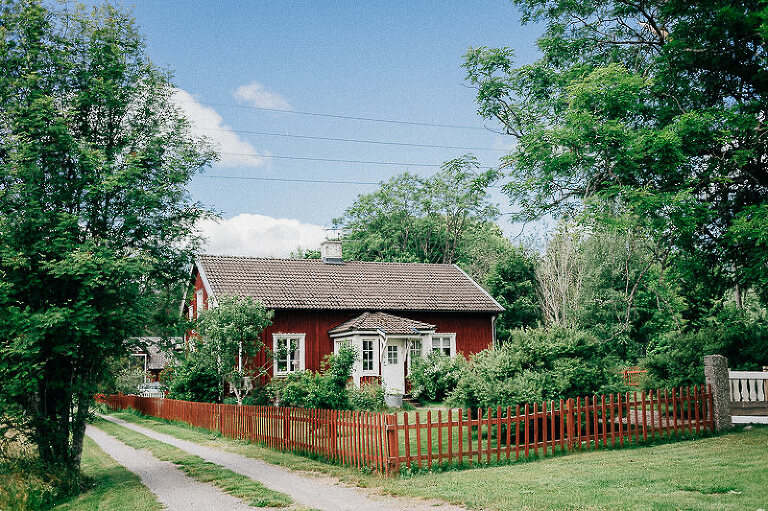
x: 386, y: 443
x: 748, y: 385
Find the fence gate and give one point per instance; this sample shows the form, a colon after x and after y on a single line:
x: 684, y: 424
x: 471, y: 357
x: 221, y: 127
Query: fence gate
x: 749, y: 404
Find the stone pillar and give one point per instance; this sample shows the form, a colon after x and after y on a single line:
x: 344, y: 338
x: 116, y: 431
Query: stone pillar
x: 716, y: 373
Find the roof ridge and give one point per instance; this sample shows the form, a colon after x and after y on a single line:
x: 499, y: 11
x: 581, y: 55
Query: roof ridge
x: 316, y: 261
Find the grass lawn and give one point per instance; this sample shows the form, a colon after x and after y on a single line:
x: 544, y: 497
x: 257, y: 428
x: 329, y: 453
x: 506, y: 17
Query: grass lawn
x: 109, y: 486
x: 237, y: 485
x: 717, y: 473
x: 106, y: 485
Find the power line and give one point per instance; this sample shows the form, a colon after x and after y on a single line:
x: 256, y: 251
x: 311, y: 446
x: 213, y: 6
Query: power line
x: 335, y: 116
x: 334, y: 160
x: 360, y: 141
x: 288, y: 180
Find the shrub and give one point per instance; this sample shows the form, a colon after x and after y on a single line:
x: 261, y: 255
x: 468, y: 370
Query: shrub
x: 433, y: 378
x: 129, y: 379
x: 370, y: 396
x: 195, y: 379
x: 536, y: 365
x: 325, y: 389
x: 739, y: 335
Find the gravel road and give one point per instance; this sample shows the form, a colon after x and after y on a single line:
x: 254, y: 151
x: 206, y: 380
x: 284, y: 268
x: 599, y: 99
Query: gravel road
x: 174, y: 489
x: 321, y: 492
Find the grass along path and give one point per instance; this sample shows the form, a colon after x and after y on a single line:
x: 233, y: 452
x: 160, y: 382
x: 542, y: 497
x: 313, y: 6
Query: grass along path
x: 110, y: 486
x: 105, y: 485
x: 728, y: 472
x: 237, y: 485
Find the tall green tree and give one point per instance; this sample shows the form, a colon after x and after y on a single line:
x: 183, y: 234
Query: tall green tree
x: 657, y: 105
x: 230, y: 333
x: 445, y: 218
x: 95, y: 218
x: 512, y: 282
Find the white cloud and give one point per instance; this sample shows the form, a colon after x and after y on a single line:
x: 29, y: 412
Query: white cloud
x: 256, y: 95
x: 206, y: 122
x: 259, y: 235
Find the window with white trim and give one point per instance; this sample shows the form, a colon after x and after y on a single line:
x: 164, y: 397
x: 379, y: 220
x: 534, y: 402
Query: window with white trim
x: 445, y: 344
x: 367, y: 354
x: 288, y: 353
x: 392, y: 355
x: 415, y: 350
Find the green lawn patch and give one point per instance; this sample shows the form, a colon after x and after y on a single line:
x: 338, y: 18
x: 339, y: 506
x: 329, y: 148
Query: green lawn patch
x: 237, y: 485
x: 104, y: 485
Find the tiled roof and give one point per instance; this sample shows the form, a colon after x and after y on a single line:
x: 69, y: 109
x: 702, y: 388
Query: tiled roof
x: 312, y: 284
x: 390, y: 324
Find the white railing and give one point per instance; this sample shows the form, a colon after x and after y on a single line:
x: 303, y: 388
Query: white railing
x: 748, y: 385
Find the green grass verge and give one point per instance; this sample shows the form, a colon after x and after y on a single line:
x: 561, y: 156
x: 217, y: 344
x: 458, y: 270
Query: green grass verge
x: 103, y: 485
x: 727, y: 472
x: 237, y: 485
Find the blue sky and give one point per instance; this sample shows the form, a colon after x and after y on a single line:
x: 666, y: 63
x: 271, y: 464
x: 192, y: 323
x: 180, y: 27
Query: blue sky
x: 382, y: 60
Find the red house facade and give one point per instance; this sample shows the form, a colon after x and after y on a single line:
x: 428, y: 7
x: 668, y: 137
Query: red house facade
x: 390, y: 312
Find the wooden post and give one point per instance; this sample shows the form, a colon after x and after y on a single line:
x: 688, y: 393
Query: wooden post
x: 393, y: 446
x: 571, y: 428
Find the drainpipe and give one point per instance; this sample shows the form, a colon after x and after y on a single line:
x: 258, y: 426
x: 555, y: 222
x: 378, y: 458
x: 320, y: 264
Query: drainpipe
x: 493, y: 330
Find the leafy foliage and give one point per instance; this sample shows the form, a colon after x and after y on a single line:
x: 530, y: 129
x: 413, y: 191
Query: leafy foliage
x: 445, y: 218
x: 658, y: 106
x: 740, y: 335
x: 95, y: 219
x: 370, y: 396
x: 195, y: 379
x: 230, y: 332
x: 535, y: 365
x: 433, y: 378
x: 325, y: 389
x: 512, y: 282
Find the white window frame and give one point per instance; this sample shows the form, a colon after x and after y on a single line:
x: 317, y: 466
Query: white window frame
x: 198, y: 302
x: 373, y: 350
x: 396, y: 352
x: 276, y: 338
x: 443, y: 337
x: 411, y: 351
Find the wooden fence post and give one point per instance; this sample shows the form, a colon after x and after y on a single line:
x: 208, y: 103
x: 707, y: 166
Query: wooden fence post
x: 571, y: 428
x: 716, y: 373
x: 286, y: 429
x: 393, y: 446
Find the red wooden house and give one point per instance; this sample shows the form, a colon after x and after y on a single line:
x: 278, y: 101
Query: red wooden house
x: 390, y: 312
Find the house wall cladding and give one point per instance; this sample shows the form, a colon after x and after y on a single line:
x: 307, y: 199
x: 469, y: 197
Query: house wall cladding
x: 473, y: 331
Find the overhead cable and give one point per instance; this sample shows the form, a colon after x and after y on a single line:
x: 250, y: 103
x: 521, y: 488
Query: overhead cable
x: 336, y: 116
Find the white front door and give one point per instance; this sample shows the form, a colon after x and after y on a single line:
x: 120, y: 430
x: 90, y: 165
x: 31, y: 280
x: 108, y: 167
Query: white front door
x: 393, y: 366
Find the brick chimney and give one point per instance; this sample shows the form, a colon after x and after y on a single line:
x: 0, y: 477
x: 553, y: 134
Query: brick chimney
x: 331, y: 253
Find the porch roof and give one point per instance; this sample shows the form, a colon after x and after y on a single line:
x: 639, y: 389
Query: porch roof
x: 388, y: 323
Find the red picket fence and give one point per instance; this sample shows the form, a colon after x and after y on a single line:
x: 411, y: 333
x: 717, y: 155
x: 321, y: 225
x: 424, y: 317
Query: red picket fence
x: 634, y: 376
x: 355, y: 439
x: 596, y: 422
x: 386, y: 443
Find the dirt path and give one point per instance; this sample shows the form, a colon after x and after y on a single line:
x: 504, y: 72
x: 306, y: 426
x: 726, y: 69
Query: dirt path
x: 174, y: 489
x: 322, y: 492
